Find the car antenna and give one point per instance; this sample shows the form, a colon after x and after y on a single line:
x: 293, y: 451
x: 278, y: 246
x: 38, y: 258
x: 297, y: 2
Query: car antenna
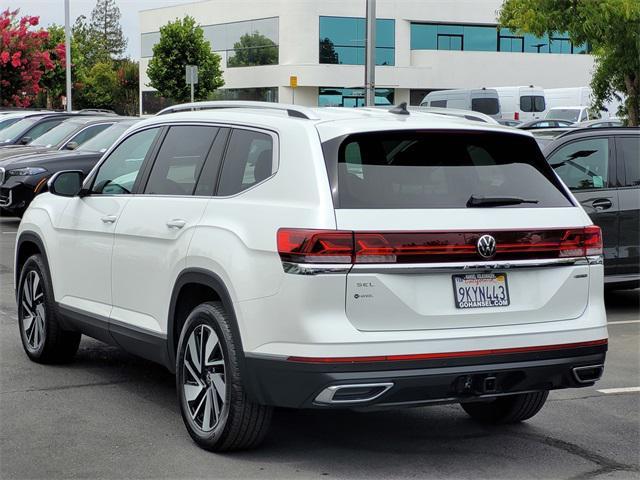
x: 400, y: 109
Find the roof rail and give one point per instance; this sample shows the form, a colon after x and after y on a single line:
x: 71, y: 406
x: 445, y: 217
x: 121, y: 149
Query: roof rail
x: 292, y: 110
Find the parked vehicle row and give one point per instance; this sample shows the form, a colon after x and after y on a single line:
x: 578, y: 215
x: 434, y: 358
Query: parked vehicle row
x: 275, y: 255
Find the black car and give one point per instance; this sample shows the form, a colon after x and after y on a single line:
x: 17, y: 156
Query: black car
x: 24, y: 177
x: 29, y: 128
x: 67, y: 135
x: 602, y: 168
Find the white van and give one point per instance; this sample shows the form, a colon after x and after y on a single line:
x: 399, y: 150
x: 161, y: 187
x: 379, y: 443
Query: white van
x: 577, y: 97
x: 521, y: 103
x: 483, y: 100
x: 575, y: 114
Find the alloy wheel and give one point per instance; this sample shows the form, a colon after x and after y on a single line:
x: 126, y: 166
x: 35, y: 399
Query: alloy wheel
x: 203, y: 384
x: 33, y: 311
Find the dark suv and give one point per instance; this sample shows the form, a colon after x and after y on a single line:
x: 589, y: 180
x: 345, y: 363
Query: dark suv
x: 602, y: 169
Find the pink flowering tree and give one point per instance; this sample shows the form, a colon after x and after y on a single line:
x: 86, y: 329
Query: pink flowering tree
x: 25, y: 57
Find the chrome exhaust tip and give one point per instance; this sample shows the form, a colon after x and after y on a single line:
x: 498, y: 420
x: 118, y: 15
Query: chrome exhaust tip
x: 356, y: 393
x: 588, y: 374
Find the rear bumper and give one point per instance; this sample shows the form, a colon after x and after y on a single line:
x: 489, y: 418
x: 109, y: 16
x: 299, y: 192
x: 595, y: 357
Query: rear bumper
x: 285, y: 383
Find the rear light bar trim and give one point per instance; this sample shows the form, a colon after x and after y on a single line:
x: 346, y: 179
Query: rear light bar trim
x: 444, y: 355
x: 365, y: 247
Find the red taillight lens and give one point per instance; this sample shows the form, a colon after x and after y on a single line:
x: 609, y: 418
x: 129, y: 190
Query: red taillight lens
x: 579, y: 242
x: 315, y: 246
x: 516, y: 116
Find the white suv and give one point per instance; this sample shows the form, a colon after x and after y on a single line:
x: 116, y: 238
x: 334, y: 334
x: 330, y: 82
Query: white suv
x: 274, y: 255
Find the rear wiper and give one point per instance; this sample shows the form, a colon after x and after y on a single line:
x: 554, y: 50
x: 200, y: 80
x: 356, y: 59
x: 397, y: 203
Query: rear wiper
x: 496, y: 201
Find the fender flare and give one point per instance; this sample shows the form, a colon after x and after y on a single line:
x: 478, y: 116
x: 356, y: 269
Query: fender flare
x: 34, y: 238
x: 213, y: 281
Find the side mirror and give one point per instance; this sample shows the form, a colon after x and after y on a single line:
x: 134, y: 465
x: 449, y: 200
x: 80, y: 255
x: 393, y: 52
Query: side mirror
x: 25, y: 140
x: 71, y: 146
x: 67, y: 183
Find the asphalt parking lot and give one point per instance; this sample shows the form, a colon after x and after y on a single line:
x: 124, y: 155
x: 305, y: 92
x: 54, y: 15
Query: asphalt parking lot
x: 112, y: 415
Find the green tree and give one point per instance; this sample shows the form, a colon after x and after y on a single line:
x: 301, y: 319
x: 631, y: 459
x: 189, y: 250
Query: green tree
x: 105, y: 24
x: 328, y: 52
x: 100, y: 87
x: 253, y: 49
x: 182, y: 43
x: 610, y: 27
x: 127, y: 87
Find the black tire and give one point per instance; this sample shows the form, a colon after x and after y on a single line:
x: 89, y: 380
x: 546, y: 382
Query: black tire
x: 53, y: 345
x: 509, y: 409
x: 240, y: 423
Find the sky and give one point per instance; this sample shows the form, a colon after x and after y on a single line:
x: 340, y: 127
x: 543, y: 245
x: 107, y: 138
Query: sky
x: 52, y: 11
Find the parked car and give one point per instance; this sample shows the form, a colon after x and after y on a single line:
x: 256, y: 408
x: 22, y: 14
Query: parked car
x: 546, y: 123
x: 602, y: 169
x: 67, y: 135
x: 31, y: 127
x: 483, y: 100
x: 10, y: 117
x: 572, y: 114
x: 521, y: 103
x: 277, y: 255
x: 24, y: 177
x: 611, y: 122
x: 509, y: 123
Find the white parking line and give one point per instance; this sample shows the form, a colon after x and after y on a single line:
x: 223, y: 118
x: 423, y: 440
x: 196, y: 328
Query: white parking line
x: 622, y: 322
x: 620, y: 390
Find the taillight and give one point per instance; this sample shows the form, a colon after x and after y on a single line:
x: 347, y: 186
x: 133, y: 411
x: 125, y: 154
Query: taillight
x: 516, y: 116
x: 339, y: 246
x: 581, y: 242
x: 315, y: 246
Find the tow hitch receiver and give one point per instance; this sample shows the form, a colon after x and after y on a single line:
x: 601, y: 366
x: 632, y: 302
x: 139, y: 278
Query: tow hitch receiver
x: 476, y: 384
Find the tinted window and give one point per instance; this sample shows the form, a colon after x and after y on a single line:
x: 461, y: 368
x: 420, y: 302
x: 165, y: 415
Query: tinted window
x: 569, y: 114
x: 42, y: 128
x: 101, y: 142
x: 56, y: 135
x: 90, y: 132
x: 10, y: 133
x: 342, y: 40
x: 532, y: 103
x: 438, y: 103
x: 629, y: 152
x: 583, y: 164
x: 248, y: 161
x: 488, y: 106
x: 119, y: 172
x: 442, y: 170
x: 179, y: 160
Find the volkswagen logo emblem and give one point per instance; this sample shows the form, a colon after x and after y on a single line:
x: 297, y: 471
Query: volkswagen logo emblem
x: 486, y: 246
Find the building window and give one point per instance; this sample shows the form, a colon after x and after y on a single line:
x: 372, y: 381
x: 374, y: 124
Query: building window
x: 342, y: 40
x: 267, y: 94
x: 352, y: 97
x: 241, y: 44
x: 485, y: 38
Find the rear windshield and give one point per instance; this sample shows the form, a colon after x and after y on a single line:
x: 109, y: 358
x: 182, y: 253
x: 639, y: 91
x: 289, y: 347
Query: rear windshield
x: 570, y: 114
x: 488, y: 106
x: 532, y: 103
x: 438, y: 169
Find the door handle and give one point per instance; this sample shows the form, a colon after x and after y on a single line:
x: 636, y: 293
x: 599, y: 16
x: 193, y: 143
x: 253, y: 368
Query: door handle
x: 602, y: 204
x: 176, y: 224
x: 109, y: 219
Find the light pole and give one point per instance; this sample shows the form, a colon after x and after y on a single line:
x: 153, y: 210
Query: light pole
x: 67, y: 51
x: 370, y: 56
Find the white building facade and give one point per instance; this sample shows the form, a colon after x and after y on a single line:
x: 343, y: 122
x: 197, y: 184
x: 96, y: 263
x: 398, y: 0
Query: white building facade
x: 421, y: 45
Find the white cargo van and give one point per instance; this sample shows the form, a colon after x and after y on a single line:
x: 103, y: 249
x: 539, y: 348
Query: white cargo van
x: 521, y: 103
x: 578, y: 97
x: 483, y: 100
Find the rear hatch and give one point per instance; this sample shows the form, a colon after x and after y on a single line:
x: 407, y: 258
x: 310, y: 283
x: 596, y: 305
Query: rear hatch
x: 456, y: 229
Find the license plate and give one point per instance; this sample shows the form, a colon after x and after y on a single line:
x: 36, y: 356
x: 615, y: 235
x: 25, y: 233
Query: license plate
x: 477, y: 290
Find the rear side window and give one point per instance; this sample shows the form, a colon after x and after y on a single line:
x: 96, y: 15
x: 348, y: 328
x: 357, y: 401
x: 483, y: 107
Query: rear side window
x: 179, y: 160
x: 438, y: 103
x: 248, y: 161
x: 583, y: 164
x: 427, y: 169
x: 488, y: 106
x: 629, y: 153
x: 532, y: 103
x: 90, y: 132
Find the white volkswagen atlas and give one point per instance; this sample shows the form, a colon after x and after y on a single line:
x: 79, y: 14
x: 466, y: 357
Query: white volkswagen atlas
x: 275, y: 255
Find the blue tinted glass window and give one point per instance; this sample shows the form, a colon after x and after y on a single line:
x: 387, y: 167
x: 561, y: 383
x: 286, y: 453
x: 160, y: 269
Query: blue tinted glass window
x: 449, y: 42
x: 581, y: 49
x: 451, y: 29
x: 342, y: 40
x: 424, y: 37
x: 533, y: 44
x: 560, y: 45
x: 510, y: 42
x: 352, y: 97
x: 480, y: 39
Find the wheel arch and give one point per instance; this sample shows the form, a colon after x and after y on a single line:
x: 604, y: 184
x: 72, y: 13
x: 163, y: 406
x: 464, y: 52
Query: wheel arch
x: 192, y: 287
x: 28, y: 244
